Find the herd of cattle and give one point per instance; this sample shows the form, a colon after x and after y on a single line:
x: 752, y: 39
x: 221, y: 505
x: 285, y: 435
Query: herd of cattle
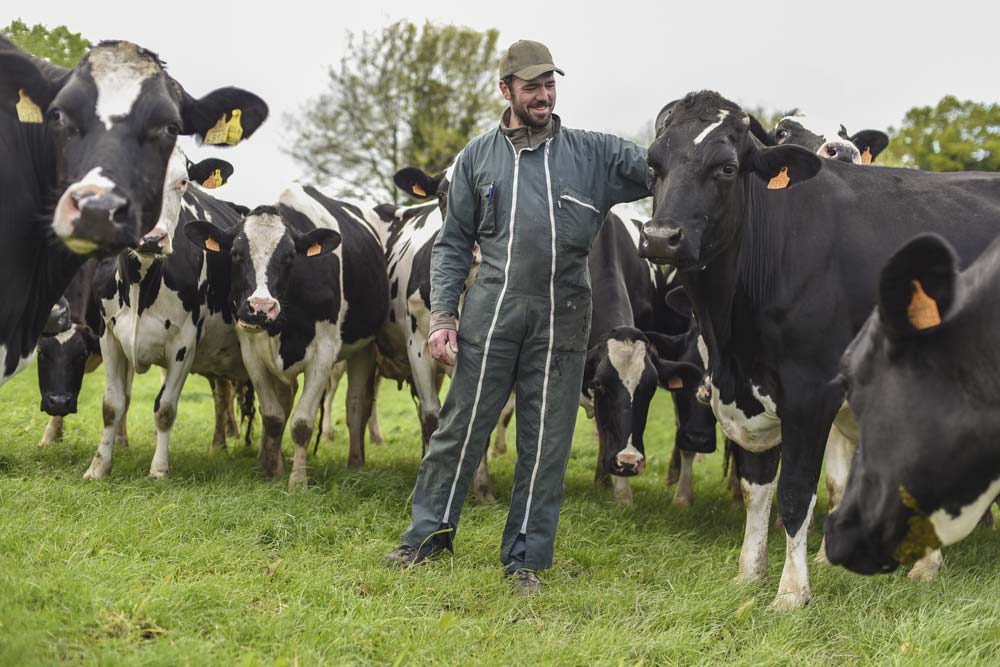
x: 779, y: 279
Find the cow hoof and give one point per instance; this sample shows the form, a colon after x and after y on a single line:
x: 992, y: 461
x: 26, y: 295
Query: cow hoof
x: 297, y: 481
x: 673, y: 475
x: 683, y: 502
x: 355, y: 463
x: 485, y: 497
x: 791, y: 600
x: 500, y: 446
x: 750, y: 576
x: 820, y: 556
x: 699, y: 457
x: 927, y: 568
x: 623, y: 496
x: 99, y: 469
x: 121, y: 443
x: 218, y: 446
x: 159, y: 472
x: 44, y: 444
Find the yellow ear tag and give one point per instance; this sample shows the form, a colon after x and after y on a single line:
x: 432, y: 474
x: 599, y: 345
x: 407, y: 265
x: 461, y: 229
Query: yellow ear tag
x: 866, y: 157
x: 781, y: 181
x: 213, y: 181
x: 675, y: 383
x: 923, y: 310
x: 314, y: 250
x: 212, y: 244
x: 419, y: 191
x: 226, y: 132
x: 27, y: 110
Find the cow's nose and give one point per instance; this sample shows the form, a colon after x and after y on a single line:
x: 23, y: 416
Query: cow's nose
x: 157, y: 241
x: 58, y: 405
x: 842, y: 151
x: 269, y: 308
x: 632, y: 460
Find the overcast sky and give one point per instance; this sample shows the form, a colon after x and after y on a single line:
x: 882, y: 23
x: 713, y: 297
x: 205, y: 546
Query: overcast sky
x: 858, y: 63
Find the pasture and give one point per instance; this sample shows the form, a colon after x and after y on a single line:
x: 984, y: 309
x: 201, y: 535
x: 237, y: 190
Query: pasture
x: 215, y: 566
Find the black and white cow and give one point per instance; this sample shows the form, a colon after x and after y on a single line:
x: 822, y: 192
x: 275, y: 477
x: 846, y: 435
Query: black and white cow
x: 166, y: 305
x: 778, y: 251
x: 860, y: 148
x: 309, y: 288
x: 84, y: 156
x: 921, y: 379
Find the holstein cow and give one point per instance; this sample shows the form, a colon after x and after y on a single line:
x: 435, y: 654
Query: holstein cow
x: 166, y: 305
x: 85, y: 153
x: 778, y: 251
x: 309, y: 288
x: 860, y: 148
x: 921, y: 379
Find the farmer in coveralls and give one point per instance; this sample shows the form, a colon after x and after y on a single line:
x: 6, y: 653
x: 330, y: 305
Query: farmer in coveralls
x: 534, y: 195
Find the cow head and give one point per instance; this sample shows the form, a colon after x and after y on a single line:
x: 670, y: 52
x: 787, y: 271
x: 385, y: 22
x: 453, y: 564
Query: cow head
x: 704, y: 166
x: 210, y: 173
x: 66, y: 350
x: 860, y: 148
x: 621, y: 375
x: 112, y: 122
x: 921, y: 381
x: 265, y: 249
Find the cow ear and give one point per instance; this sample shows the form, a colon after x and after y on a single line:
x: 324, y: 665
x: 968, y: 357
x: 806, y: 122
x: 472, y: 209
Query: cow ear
x: 208, y: 237
x: 917, y: 286
x: 757, y: 130
x: 678, y: 301
x: 677, y: 375
x: 416, y: 183
x: 590, y: 370
x: 91, y: 339
x: 28, y: 85
x: 317, y: 242
x: 785, y: 166
x: 870, y: 143
x: 211, y: 173
x: 664, y: 346
x: 224, y: 117
x: 386, y: 212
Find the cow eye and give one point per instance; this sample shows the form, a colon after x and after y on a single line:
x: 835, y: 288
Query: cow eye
x: 780, y: 135
x: 61, y: 120
x: 728, y: 169
x: 173, y: 129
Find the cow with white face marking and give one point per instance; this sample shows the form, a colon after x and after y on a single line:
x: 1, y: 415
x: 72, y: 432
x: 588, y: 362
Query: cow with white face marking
x: 86, y: 151
x: 778, y: 251
x: 166, y: 304
x: 921, y: 377
x: 860, y: 148
x: 309, y: 288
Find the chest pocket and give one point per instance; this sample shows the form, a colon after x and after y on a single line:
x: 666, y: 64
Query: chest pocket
x: 486, y: 225
x: 577, y: 222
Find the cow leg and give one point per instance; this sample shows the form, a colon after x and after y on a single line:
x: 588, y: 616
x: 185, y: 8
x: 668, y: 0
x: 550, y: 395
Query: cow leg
x: 232, y: 425
x: 116, y: 380
x: 839, y: 451
x: 53, y: 432
x: 756, y: 472
x: 374, y: 427
x: 601, y: 476
x: 500, y: 439
x: 425, y: 385
x: 622, y: 491
x: 275, y: 397
x: 219, y: 395
x: 805, y: 426
x: 360, y: 397
x: 685, y: 492
x: 482, y: 488
x: 674, y: 469
x: 121, y: 436
x: 165, y: 410
x: 927, y: 568
x: 735, y: 487
x: 339, y: 369
x: 315, y: 381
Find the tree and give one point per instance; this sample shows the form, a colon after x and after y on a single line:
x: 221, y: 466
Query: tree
x: 402, y: 96
x: 59, y: 46
x: 954, y: 135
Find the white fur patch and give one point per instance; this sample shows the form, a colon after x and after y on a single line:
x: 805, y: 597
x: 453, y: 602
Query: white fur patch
x: 951, y: 529
x: 629, y: 360
x: 175, y: 184
x: 94, y: 183
x: 704, y: 133
x: 263, y: 233
x: 63, y: 337
x: 755, y: 434
x: 119, y: 72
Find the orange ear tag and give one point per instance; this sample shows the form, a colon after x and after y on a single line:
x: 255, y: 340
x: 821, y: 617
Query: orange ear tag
x: 213, y: 181
x: 419, y: 191
x: 866, y: 157
x: 212, y: 244
x: 781, y: 181
x: 675, y: 383
x: 314, y: 250
x: 923, y: 310
x: 27, y: 110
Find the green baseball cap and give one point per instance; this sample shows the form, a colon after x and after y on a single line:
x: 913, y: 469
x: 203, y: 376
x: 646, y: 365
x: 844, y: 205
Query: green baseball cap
x: 526, y: 60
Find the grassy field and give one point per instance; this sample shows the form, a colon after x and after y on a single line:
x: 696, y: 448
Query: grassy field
x: 215, y: 566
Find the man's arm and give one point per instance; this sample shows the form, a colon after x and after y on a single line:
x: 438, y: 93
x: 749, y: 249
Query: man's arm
x: 628, y: 171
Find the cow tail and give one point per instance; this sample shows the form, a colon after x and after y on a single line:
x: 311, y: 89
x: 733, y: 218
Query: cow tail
x: 728, y: 459
x: 247, y: 410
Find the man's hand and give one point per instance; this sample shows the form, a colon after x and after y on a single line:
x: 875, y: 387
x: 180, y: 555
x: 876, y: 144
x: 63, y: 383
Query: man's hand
x: 444, y: 345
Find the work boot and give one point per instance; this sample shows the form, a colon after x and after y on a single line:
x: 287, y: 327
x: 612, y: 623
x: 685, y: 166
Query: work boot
x: 406, y: 556
x: 525, y: 582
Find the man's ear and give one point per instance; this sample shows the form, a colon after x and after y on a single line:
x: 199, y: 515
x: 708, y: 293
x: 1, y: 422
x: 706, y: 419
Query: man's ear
x: 211, y: 173
x: 416, y: 182
x: 208, y: 237
x: 317, y: 242
x: 676, y: 375
x: 27, y: 85
x: 785, y: 166
x: 224, y: 117
x: 917, y: 286
x: 870, y: 143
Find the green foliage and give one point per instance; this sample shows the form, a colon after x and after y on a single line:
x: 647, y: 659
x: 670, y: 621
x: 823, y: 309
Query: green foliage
x: 404, y: 95
x: 954, y: 135
x: 768, y: 118
x: 59, y: 46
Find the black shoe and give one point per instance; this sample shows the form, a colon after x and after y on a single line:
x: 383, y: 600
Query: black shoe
x: 406, y: 556
x: 525, y: 582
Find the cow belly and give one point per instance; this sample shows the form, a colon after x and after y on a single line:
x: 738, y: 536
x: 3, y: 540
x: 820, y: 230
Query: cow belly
x: 755, y: 433
x: 218, y: 351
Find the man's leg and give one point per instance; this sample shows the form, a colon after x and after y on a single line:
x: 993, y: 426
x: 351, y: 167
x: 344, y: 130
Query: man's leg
x: 479, y: 390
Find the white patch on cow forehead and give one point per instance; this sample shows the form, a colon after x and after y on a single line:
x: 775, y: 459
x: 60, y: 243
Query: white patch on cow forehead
x: 629, y: 360
x: 118, y: 72
x: 951, y: 529
x: 96, y: 179
x: 63, y: 337
x: 704, y: 133
x: 264, y: 232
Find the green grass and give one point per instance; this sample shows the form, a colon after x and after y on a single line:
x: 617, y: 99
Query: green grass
x: 216, y: 566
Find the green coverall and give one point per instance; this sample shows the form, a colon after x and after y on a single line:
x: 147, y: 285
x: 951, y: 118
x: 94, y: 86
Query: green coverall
x: 524, y: 324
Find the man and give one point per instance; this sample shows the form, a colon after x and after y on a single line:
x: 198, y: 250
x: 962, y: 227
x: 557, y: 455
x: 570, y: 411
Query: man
x: 534, y: 195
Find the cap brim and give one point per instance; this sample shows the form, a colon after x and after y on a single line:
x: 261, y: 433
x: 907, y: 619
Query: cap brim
x: 535, y: 71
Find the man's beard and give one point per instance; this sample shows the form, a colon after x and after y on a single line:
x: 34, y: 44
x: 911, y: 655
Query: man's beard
x: 524, y: 115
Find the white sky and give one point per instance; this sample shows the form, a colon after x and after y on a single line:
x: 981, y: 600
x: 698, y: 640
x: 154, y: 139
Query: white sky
x: 858, y: 63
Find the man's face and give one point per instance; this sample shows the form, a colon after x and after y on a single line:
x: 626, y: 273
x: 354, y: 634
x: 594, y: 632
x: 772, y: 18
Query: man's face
x: 532, y: 101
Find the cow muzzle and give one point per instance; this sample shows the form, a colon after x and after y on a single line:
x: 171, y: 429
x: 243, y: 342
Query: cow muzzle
x: 156, y: 243
x: 59, y: 405
x: 848, y: 545
x: 842, y: 151
x: 665, y: 243
x: 91, y: 217
x: 628, y: 462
